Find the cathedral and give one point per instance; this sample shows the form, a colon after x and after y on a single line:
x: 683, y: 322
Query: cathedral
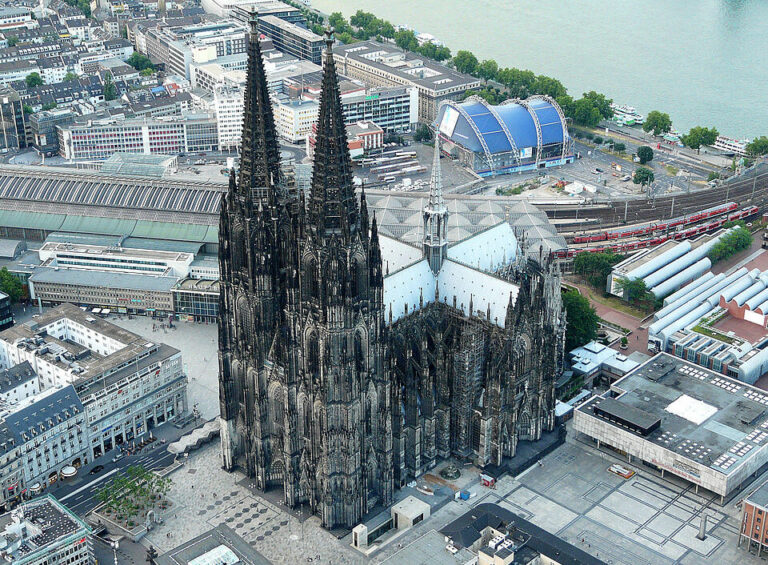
x: 351, y: 362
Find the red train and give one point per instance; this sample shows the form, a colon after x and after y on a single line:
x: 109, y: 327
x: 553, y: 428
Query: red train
x: 654, y: 241
x: 634, y: 231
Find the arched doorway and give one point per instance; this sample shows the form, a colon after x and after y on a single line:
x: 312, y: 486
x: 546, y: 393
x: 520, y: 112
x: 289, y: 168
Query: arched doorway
x: 276, y: 474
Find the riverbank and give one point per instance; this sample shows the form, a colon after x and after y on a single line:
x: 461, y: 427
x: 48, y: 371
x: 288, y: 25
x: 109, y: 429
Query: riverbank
x: 681, y: 58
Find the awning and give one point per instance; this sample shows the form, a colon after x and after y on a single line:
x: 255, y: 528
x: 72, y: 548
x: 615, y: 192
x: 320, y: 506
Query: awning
x: 37, y: 487
x: 68, y: 471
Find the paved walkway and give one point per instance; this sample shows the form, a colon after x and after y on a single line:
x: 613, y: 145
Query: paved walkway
x: 205, y: 496
x: 606, y: 312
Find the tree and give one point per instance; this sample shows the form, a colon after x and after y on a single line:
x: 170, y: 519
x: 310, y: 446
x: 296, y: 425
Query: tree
x: 140, y: 62
x: 465, y: 62
x: 645, y: 154
x: 730, y: 244
x: 338, y: 22
x: 698, y: 136
x: 643, y: 176
x: 48, y: 106
x: 585, y: 113
x: 12, y: 41
x: 110, y: 90
x: 10, y: 285
x: 70, y: 76
x: 581, y: 320
x: 600, y: 102
x: 596, y: 267
x: 713, y: 175
x: 487, y: 70
x: 550, y: 87
x: 422, y: 134
x: 657, y: 122
x: 634, y: 290
x: 406, y: 40
x: 27, y: 109
x: 758, y: 146
x: 33, y: 80
x: 146, y: 72
x: 619, y: 147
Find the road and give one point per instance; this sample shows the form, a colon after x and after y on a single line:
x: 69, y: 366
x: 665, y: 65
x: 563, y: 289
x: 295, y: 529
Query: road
x: 80, y: 496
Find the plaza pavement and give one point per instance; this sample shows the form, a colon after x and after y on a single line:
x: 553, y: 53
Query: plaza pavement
x: 199, y: 352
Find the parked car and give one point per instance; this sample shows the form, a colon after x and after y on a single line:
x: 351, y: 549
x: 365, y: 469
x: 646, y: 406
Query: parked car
x: 96, y: 469
x: 118, y: 457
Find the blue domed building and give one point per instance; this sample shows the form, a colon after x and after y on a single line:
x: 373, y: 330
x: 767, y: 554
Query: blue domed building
x: 518, y: 135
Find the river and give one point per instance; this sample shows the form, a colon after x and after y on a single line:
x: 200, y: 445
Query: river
x: 704, y: 62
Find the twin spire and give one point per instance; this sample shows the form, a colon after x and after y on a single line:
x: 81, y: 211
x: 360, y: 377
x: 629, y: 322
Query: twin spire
x: 333, y: 207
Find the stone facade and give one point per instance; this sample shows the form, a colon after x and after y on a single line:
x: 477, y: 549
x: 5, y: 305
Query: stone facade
x: 322, y: 394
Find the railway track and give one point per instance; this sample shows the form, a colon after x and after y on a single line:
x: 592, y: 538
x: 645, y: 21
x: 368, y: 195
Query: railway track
x: 748, y: 189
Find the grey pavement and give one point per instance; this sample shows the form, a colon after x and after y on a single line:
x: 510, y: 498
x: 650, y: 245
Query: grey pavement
x: 199, y: 352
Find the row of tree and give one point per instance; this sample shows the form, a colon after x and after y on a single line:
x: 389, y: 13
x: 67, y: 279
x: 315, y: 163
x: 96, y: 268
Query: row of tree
x: 595, y: 267
x: 588, y: 111
x: 133, y: 493
x: 730, y: 244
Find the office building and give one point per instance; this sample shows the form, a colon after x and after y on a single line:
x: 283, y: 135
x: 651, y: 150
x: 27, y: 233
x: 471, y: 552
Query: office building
x: 394, y: 109
x: 114, y: 258
x: 43, y: 532
x: 6, y: 314
x: 196, y: 300
x: 679, y: 418
x: 123, y: 293
x: 12, y: 17
x: 43, y: 129
x: 227, y: 106
x: 52, y: 434
x: 754, y: 517
x: 17, y: 383
x: 127, y: 385
x: 380, y: 64
x: 164, y: 135
x: 178, y: 46
x: 496, y: 536
x: 294, y: 118
x: 13, y: 127
x: 292, y: 39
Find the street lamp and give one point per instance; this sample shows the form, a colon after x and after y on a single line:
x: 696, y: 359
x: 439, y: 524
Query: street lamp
x: 115, y: 546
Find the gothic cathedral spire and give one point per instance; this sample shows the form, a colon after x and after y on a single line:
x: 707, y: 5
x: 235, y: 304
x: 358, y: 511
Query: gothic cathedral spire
x: 435, y: 217
x: 333, y: 205
x: 260, y: 154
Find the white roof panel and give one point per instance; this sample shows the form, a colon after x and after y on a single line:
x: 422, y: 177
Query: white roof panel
x: 691, y: 409
x: 464, y: 283
x: 396, y: 255
x: 487, y: 250
x: 405, y: 287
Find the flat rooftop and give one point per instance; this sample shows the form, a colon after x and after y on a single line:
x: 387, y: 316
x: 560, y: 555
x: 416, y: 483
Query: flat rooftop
x: 49, y: 521
x: 704, y: 416
x: 411, y: 67
x: 85, y: 249
x: 759, y: 497
x: 93, y: 369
